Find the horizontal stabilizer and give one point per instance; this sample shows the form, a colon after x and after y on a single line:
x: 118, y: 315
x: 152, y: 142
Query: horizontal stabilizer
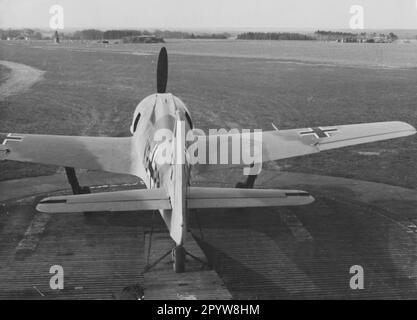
x: 284, y: 144
x: 129, y: 200
x: 236, y: 198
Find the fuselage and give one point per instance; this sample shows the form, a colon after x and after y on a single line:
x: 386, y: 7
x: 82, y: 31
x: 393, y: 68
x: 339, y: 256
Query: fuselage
x: 159, y: 126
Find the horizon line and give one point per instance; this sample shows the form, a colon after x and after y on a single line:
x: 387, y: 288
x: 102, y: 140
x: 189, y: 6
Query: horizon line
x: 218, y: 29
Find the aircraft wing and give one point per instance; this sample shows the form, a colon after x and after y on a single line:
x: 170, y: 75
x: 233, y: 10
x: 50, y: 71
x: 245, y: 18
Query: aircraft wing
x: 128, y: 200
x: 94, y: 153
x: 283, y: 144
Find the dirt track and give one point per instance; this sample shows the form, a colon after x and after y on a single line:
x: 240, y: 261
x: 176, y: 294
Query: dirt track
x: 21, y: 78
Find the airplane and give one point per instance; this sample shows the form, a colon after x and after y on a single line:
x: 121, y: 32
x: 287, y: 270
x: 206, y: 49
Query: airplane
x: 169, y: 187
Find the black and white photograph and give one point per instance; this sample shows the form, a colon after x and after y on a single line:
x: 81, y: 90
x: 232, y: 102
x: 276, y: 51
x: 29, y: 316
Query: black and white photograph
x: 223, y: 151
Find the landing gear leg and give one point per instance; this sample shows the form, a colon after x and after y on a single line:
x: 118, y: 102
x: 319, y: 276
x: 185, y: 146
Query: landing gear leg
x: 73, y: 181
x: 178, y: 255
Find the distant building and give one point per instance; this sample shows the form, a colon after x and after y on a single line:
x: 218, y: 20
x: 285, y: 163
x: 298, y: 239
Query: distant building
x: 363, y: 37
x: 143, y: 39
x: 56, y: 37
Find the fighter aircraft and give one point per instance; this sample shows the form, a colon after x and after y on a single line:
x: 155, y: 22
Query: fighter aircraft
x: 168, y: 183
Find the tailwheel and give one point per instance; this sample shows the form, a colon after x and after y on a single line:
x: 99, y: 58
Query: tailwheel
x: 178, y: 255
x: 75, y: 185
x: 248, y: 184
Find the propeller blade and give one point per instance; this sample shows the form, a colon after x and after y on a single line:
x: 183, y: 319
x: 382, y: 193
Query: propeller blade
x: 162, y: 71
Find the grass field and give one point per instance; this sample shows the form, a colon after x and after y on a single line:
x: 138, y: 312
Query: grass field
x: 91, y: 89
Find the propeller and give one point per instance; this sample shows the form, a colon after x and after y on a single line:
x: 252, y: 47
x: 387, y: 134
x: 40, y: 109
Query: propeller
x: 162, y: 71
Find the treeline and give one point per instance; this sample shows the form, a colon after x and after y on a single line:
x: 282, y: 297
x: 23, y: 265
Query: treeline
x: 224, y: 35
x: 337, y: 36
x: 192, y: 35
x: 273, y: 36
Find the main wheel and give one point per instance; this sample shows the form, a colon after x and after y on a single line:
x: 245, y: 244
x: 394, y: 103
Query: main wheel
x: 85, y: 190
x: 178, y: 254
x: 240, y: 185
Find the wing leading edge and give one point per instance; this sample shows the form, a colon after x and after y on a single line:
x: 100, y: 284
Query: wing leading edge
x: 128, y: 200
x: 155, y: 199
x: 115, y: 154
x: 297, y: 142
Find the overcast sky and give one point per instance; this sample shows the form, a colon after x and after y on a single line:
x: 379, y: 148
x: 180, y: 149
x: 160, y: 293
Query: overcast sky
x: 274, y: 14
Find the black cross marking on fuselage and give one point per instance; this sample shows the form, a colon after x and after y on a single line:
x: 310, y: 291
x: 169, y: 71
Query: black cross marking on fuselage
x: 318, y: 132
